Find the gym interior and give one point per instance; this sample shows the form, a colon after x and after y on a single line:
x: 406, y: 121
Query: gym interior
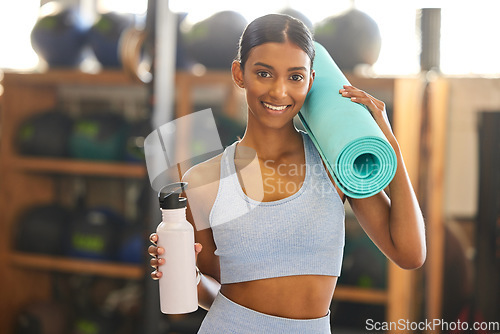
x: 84, y: 82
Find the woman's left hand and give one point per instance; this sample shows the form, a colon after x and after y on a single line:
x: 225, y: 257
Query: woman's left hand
x: 375, y: 106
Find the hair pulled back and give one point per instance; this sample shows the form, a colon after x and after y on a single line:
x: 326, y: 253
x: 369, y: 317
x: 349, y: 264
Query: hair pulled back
x: 277, y: 28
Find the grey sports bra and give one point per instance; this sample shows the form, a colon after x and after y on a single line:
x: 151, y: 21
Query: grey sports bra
x: 302, y: 234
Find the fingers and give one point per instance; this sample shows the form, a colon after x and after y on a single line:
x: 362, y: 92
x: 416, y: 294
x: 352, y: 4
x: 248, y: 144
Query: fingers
x: 156, y: 275
x: 375, y: 107
x: 155, y: 262
x: 197, y: 247
x: 359, y: 96
x: 155, y: 251
x: 355, y: 93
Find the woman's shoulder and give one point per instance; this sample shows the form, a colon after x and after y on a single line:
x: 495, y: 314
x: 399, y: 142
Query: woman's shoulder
x: 204, y: 172
x: 201, y: 191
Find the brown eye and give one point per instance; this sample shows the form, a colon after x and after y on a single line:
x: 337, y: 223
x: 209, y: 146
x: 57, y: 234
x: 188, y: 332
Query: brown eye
x: 297, y: 77
x: 264, y: 74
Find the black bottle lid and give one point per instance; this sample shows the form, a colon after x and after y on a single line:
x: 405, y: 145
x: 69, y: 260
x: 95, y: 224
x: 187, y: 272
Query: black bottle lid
x: 169, y: 196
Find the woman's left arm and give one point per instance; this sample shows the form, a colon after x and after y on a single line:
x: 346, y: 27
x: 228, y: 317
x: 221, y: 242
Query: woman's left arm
x: 395, y: 225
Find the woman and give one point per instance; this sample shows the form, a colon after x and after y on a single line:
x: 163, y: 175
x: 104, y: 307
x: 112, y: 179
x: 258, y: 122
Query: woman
x: 270, y: 217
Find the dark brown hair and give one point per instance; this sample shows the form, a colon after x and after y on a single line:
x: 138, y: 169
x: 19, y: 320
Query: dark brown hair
x: 277, y: 28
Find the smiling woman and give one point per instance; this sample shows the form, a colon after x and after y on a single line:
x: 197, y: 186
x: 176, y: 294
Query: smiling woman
x: 273, y: 231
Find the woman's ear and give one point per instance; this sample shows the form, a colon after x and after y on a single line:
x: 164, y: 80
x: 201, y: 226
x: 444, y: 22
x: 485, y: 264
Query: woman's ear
x: 237, y: 73
x: 311, y: 80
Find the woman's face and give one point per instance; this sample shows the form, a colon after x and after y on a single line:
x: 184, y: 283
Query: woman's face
x: 276, y: 78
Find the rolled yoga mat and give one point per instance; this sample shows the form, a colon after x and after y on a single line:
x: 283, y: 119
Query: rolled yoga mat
x: 353, y: 147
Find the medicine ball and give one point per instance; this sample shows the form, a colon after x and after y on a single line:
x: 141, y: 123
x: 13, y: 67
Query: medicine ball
x: 93, y: 322
x: 351, y: 38
x: 45, y: 134
x: 229, y: 128
x: 298, y: 15
x: 104, y: 37
x: 94, y: 234
x: 42, y: 228
x: 132, y: 245
x: 99, y: 136
x: 59, y: 35
x: 213, y: 42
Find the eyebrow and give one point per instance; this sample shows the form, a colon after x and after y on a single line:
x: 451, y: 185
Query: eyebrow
x: 297, y: 68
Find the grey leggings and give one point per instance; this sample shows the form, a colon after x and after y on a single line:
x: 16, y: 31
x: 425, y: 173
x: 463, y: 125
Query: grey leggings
x: 228, y: 317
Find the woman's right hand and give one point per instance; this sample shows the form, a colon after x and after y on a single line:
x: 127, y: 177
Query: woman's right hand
x: 155, y: 251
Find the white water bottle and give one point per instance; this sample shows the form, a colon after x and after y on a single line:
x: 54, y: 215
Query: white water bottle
x: 178, y: 288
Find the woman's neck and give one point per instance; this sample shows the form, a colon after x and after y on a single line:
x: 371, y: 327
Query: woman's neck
x: 272, y: 143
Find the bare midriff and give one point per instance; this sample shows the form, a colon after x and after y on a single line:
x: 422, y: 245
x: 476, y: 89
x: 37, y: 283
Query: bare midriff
x: 295, y: 297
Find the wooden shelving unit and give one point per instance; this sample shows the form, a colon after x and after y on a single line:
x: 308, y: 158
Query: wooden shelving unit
x: 68, y: 166
x: 27, y: 181
x: 75, y: 266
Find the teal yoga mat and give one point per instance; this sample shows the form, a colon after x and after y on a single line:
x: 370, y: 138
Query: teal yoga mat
x: 353, y: 147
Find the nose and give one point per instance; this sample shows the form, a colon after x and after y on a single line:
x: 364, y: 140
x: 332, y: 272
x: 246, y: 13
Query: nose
x: 278, y: 89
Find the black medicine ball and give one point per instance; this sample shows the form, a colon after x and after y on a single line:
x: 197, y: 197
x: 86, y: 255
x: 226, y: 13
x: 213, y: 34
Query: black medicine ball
x: 94, y: 234
x: 59, y: 35
x: 45, y: 134
x: 42, y: 228
x: 213, y: 42
x: 352, y: 38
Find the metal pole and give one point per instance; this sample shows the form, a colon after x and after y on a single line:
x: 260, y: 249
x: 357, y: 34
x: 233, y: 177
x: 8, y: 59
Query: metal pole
x: 163, y: 90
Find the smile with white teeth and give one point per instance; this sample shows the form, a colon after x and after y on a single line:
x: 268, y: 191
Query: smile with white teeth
x: 275, y: 108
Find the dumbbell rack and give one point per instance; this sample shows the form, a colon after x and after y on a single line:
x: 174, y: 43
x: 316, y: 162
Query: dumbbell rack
x: 26, y: 181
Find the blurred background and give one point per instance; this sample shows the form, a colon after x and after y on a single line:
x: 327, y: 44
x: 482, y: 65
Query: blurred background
x: 83, y: 82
